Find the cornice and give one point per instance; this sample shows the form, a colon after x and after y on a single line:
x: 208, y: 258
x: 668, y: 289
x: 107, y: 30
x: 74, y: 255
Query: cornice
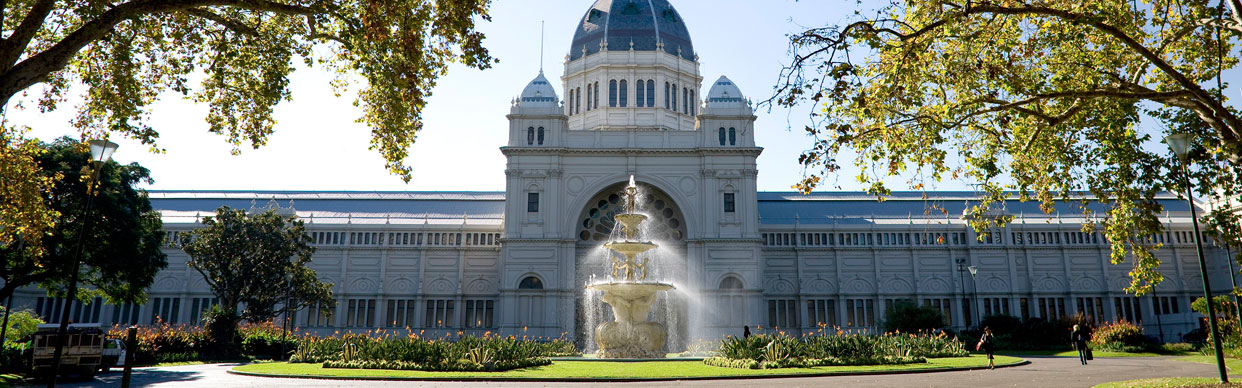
x: 535, y: 150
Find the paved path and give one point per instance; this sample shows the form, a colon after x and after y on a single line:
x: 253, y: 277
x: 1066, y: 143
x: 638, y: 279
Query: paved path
x: 1058, y: 372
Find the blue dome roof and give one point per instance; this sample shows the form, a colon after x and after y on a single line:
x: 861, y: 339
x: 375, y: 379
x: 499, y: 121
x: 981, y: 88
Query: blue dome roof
x: 643, y: 22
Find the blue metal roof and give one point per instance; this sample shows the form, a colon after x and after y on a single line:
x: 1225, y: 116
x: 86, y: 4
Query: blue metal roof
x: 774, y: 207
x: 857, y: 207
x: 642, y: 22
x: 444, y: 203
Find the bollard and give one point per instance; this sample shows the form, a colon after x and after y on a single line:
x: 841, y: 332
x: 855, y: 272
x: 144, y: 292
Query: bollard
x: 131, y: 346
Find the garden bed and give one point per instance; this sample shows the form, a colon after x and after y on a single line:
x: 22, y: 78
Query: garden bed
x: 617, y: 371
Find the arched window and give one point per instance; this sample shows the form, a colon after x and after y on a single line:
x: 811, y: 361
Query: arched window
x: 731, y: 283
x: 732, y: 136
x: 530, y: 136
x: 589, y: 87
x: 612, y: 93
x: 623, y: 93
x: 640, y: 93
x: 540, y: 136
x: 685, y: 100
x: 694, y: 104
x: 674, y: 102
x: 722, y: 136
x: 666, y: 106
x: 650, y: 93
x: 577, y: 100
x: 530, y: 283
x: 569, y: 102
x: 596, y: 95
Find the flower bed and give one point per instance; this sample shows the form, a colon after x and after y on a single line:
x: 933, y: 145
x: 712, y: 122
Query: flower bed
x: 411, y: 352
x: 842, y: 349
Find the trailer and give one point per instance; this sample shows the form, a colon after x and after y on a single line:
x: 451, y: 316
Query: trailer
x: 82, y: 355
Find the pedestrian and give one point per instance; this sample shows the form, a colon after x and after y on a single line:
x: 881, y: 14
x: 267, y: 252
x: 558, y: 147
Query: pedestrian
x: 745, y: 331
x: 987, y: 345
x: 1079, y: 338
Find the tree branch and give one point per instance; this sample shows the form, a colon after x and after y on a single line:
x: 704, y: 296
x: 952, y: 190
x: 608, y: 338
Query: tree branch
x: 234, y: 25
x: 12, y: 47
x: 36, y: 68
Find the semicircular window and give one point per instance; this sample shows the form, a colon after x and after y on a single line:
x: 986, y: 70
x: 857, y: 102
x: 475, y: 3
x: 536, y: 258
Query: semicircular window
x: 664, y: 219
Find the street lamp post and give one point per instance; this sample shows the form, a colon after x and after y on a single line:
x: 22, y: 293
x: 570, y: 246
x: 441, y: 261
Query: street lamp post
x: 1180, y: 143
x: 961, y: 276
x: 101, y: 151
x: 974, y: 288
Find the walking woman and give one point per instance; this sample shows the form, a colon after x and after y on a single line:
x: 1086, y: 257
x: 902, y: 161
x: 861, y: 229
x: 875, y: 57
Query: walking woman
x: 987, y: 344
x: 1079, y: 338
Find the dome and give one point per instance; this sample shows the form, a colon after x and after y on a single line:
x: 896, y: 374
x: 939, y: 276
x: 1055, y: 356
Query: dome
x: 644, y: 23
x: 538, y: 93
x: 725, y: 94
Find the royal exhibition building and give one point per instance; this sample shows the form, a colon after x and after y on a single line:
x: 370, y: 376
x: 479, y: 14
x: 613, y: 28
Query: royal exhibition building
x: 632, y: 102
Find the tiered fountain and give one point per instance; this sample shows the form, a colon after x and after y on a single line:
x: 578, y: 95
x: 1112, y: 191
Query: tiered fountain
x: 630, y: 335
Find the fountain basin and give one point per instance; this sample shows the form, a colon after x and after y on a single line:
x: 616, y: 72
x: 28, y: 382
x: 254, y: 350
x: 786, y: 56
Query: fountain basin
x: 630, y: 335
x: 630, y: 248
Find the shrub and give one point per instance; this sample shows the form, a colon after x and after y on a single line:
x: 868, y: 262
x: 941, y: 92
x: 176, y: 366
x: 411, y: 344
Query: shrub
x: 910, y: 318
x: 14, y: 357
x: 166, y: 343
x: 464, y: 353
x: 266, y: 341
x: 726, y: 362
x: 1120, y: 336
x: 1032, y: 334
x: 782, y: 351
x: 22, y: 324
x: 1001, y: 323
x: 1177, y: 347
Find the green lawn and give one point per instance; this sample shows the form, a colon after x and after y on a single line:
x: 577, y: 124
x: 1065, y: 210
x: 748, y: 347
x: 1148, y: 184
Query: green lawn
x: 1074, y: 353
x: 1232, y: 364
x: 1169, y: 382
x: 8, y: 380
x: 616, y: 370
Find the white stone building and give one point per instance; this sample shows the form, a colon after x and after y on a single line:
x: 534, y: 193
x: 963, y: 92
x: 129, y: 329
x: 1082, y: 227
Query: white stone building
x: 515, y: 261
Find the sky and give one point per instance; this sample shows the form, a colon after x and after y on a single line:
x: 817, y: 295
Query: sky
x: 318, y: 146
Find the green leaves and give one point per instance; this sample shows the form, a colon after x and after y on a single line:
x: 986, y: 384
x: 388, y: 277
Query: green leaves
x: 121, y: 248
x: 1045, y: 99
x: 260, y: 260
x: 125, y: 54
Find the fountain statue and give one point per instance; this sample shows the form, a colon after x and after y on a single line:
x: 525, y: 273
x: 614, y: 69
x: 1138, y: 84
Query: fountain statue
x: 630, y: 335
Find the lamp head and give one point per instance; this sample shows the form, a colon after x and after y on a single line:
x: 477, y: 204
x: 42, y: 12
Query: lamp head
x: 973, y: 270
x: 1180, y: 144
x: 101, y: 150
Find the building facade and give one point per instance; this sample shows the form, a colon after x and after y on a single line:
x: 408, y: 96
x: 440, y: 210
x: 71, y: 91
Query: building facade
x: 516, y: 261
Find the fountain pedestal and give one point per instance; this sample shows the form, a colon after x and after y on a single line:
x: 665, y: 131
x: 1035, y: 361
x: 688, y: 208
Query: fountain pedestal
x: 630, y: 335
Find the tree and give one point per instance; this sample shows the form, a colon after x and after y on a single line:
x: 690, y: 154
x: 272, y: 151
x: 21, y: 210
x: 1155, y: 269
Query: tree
x: 1039, y: 99
x: 24, y: 215
x: 22, y: 323
x: 260, y: 260
x: 907, y: 317
x: 121, y: 254
x: 125, y: 53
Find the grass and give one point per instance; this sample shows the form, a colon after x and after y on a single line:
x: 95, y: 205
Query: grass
x: 1181, y: 382
x: 9, y: 380
x: 585, y: 370
x: 1074, y: 353
x: 1230, y: 363
x: 1169, y: 382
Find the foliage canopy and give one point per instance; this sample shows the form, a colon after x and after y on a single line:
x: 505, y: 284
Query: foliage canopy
x: 121, y: 248
x: 1046, y: 100
x: 259, y: 259
x: 241, y: 52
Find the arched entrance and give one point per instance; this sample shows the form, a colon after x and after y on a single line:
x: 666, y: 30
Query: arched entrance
x: 665, y: 225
